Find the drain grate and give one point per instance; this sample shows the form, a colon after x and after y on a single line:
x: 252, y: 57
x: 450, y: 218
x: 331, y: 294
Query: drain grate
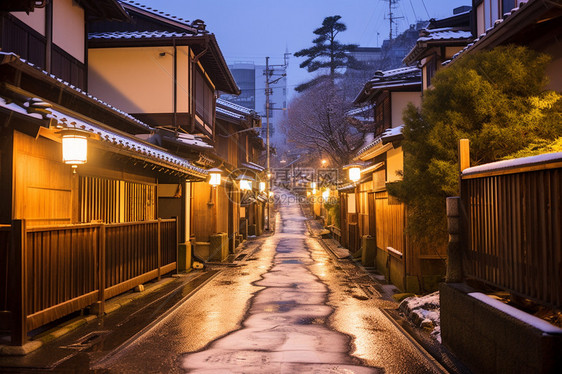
x: 88, y: 340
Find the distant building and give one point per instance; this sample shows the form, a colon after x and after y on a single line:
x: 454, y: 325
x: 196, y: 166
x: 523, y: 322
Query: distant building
x: 251, y: 80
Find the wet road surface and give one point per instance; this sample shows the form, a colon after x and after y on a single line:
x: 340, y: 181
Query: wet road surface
x: 287, y: 307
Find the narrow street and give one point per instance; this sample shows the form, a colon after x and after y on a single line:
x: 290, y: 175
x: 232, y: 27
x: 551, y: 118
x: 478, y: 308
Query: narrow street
x: 285, y: 307
x: 288, y: 308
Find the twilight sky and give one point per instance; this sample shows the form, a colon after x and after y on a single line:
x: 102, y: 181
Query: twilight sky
x: 250, y: 30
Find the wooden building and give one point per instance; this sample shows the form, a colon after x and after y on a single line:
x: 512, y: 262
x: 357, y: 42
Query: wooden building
x: 73, y: 236
x: 366, y: 208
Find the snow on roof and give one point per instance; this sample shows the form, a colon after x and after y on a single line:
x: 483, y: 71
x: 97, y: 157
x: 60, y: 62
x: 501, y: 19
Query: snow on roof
x: 126, y: 142
x: 234, y: 106
x: 514, y: 13
x: 395, y: 73
x: 80, y: 91
x: 448, y: 33
x: 190, y: 139
x: 112, y: 35
x: 169, y: 17
x: 18, y: 109
x: 529, y: 319
x: 514, y: 163
x: 388, y: 133
x: 229, y: 113
x: 253, y: 166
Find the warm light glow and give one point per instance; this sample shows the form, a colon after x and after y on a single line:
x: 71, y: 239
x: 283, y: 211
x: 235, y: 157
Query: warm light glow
x: 262, y: 186
x: 74, y: 149
x: 354, y: 173
x: 245, y: 185
x: 313, y: 185
x: 326, y: 194
x: 215, y: 177
x: 268, y: 175
x: 270, y: 193
x: 324, y: 162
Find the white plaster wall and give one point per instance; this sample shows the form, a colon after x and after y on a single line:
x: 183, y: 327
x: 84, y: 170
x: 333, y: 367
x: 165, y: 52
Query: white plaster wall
x: 399, y: 102
x: 69, y: 28
x: 35, y: 19
x: 137, y: 80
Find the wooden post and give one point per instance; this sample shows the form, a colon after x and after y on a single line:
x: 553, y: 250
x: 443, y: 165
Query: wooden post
x: 454, y: 263
x: 159, y: 248
x: 464, y: 155
x: 17, y: 282
x: 101, y: 272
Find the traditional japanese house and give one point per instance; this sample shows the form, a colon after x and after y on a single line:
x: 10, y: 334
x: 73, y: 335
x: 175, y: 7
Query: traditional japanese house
x: 439, y: 42
x: 238, y: 134
x: 78, y: 224
x: 369, y: 215
x: 168, y: 72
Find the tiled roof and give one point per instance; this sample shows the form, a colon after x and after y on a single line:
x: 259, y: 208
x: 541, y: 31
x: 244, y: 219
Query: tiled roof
x: 229, y: 113
x: 113, y: 35
x: 175, y: 20
x: 235, y: 106
x: 448, y: 33
x: 388, y: 133
x: 513, y: 17
x: 402, y: 77
x: 128, y: 142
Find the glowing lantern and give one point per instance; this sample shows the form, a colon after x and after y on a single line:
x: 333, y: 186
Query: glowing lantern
x: 354, y: 173
x: 262, y: 186
x: 245, y: 184
x: 215, y: 177
x: 74, y: 147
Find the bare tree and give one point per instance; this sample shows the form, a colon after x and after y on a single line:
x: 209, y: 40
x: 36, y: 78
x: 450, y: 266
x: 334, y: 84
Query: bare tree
x: 318, y: 123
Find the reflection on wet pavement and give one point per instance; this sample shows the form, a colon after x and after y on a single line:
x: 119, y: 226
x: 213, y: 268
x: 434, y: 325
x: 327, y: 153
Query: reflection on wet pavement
x: 286, y: 328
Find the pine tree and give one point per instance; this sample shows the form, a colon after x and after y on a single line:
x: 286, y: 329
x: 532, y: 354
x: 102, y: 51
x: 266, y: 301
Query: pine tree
x: 497, y: 100
x: 327, y: 53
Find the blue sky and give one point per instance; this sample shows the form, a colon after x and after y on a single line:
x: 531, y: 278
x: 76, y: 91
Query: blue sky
x: 250, y: 30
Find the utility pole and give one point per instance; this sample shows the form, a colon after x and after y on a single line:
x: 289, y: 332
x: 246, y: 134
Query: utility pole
x: 268, y: 91
x: 392, y: 17
x: 268, y: 170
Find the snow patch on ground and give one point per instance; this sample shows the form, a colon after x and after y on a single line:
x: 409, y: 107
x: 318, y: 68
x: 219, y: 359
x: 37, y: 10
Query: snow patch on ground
x: 423, y: 311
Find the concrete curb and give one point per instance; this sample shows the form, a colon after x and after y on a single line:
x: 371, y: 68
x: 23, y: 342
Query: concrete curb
x: 111, y: 306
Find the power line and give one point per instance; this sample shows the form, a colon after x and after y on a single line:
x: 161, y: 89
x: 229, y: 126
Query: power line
x: 428, y: 16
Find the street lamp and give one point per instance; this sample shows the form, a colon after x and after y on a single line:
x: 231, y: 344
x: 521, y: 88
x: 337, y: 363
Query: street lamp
x: 215, y: 175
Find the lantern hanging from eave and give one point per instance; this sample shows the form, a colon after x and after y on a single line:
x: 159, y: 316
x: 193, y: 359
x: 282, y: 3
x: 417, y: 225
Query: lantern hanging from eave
x: 215, y: 177
x: 354, y: 173
x: 74, y: 147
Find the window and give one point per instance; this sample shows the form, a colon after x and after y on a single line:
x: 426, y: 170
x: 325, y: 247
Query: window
x: 204, y: 98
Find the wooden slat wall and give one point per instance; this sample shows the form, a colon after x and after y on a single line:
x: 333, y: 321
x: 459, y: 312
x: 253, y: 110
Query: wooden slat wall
x: 514, y: 228
x: 168, y: 241
x: 61, y: 265
x: 131, y: 250
x: 102, y: 199
x: 4, y: 253
x: 390, y: 222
